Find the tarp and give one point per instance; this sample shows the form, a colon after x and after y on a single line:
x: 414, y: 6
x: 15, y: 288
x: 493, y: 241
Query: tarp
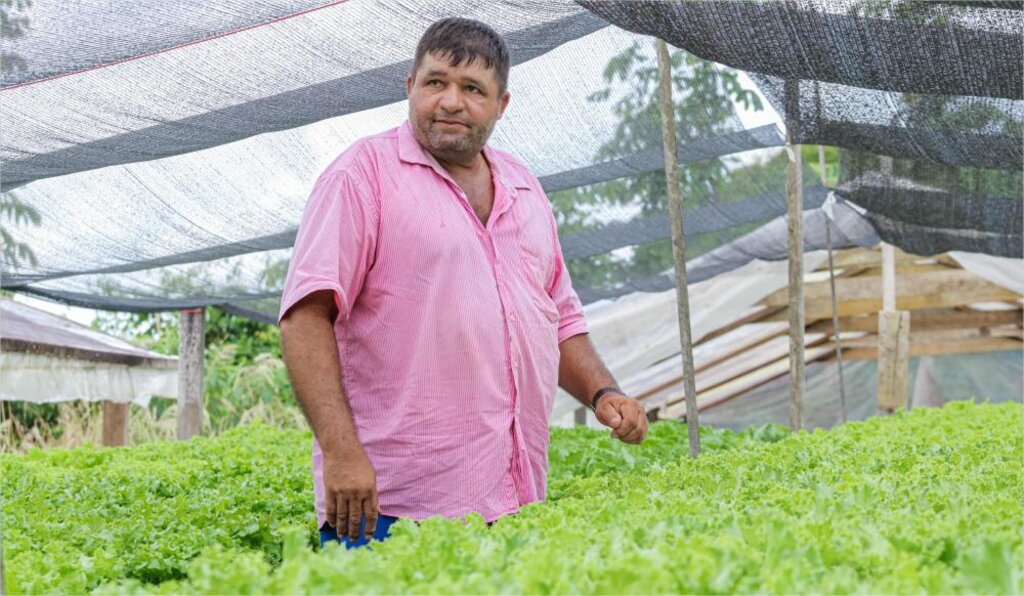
x: 637, y: 336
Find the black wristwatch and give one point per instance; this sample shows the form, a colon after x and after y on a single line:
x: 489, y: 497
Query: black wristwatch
x: 600, y: 393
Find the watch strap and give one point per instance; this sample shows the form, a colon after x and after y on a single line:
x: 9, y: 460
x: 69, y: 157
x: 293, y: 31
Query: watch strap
x: 600, y: 393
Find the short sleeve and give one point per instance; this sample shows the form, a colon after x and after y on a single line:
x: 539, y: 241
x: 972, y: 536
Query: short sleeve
x: 336, y: 242
x: 570, y: 310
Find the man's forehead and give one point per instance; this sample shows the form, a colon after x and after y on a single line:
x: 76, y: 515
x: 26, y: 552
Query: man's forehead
x: 441, y: 63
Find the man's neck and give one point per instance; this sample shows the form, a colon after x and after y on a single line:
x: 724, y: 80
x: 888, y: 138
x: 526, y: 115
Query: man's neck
x: 464, y: 167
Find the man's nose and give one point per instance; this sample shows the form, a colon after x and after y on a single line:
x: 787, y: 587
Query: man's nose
x: 451, y: 99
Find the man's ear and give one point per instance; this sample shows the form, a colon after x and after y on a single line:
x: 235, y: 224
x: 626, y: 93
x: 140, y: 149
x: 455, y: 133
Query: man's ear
x: 408, y: 85
x: 503, y: 100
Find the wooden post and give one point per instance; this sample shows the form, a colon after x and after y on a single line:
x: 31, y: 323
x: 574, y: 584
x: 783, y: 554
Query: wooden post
x: 795, y: 218
x: 835, y: 306
x: 888, y: 277
x: 580, y: 416
x: 115, y: 424
x: 191, y: 325
x: 893, y: 332
x: 675, y: 210
x: 893, y: 360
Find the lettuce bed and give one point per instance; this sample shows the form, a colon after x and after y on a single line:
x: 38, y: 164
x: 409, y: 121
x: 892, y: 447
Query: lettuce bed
x: 925, y: 501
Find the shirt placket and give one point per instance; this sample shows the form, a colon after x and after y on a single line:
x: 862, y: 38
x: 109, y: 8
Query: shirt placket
x: 519, y: 463
x: 523, y: 488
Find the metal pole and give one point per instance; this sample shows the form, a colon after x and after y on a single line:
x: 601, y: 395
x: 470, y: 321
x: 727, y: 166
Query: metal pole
x: 832, y: 283
x: 675, y: 209
x: 795, y: 217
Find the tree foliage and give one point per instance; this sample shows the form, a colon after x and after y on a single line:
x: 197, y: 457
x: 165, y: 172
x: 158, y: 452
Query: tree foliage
x: 704, y: 102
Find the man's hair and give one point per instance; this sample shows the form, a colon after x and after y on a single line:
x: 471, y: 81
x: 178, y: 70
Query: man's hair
x: 465, y: 40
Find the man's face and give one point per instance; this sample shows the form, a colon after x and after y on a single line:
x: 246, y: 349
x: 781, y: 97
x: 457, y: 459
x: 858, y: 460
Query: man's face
x: 453, y: 109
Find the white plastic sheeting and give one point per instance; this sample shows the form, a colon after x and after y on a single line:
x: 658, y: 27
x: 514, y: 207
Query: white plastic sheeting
x: 638, y: 335
x: 638, y: 338
x: 43, y: 378
x: 1002, y: 271
x: 47, y: 358
x: 936, y: 380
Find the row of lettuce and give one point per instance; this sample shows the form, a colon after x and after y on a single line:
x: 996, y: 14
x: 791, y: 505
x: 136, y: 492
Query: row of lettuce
x: 931, y: 500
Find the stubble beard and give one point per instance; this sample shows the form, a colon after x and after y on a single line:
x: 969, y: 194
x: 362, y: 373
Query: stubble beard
x: 452, y: 147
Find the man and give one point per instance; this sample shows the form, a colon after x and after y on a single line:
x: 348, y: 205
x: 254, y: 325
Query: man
x: 428, y: 315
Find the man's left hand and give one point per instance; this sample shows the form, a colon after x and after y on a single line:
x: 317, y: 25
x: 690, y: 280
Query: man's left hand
x: 624, y: 415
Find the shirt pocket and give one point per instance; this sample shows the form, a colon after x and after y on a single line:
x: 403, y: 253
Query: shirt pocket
x: 537, y: 254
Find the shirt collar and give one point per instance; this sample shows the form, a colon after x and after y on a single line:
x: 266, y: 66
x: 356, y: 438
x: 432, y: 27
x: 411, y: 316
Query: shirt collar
x: 410, y: 151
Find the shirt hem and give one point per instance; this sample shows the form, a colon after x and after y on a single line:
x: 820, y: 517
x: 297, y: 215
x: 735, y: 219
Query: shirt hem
x: 572, y: 329
x: 307, y: 288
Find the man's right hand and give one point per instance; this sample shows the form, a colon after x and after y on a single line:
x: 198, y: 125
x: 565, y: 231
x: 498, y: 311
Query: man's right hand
x: 310, y: 351
x: 350, y: 484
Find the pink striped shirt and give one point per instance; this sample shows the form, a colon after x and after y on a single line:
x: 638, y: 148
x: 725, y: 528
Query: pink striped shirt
x: 448, y: 330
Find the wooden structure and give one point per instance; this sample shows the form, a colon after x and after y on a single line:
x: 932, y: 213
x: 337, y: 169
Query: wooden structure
x: 192, y: 344
x: 795, y: 242
x: 47, y: 358
x: 954, y: 311
x: 675, y: 205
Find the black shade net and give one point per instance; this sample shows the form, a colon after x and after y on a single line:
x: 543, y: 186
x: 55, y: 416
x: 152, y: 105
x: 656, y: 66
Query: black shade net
x: 167, y: 160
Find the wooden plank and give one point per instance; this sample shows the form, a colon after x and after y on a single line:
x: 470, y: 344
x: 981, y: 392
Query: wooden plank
x: 775, y: 350
x: 905, y: 268
x: 115, y: 424
x: 963, y: 346
x: 670, y: 383
x: 732, y: 370
x: 746, y: 382
x: 190, y: 373
x: 657, y: 383
x: 822, y: 309
x: 929, y: 320
x: 769, y: 355
x: 945, y: 259
x: 869, y: 257
x: 941, y: 336
x: 913, y: 284
x: 750, y: 343
x: 893, y: 360
x: 675, y: 209
x: 754, y: 317
x: 945, y: 335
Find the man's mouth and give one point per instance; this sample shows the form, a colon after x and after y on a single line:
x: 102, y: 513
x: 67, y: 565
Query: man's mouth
x: 450, y: 122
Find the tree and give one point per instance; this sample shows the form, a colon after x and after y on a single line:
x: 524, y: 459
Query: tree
x: 704, y: 96
x: 955, y: 116
x: 13, y: 25
x: 12, y: 252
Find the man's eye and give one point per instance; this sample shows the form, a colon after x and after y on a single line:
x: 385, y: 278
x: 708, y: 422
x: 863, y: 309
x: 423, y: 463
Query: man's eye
x: 433, y: 83
x: 474, y: 89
